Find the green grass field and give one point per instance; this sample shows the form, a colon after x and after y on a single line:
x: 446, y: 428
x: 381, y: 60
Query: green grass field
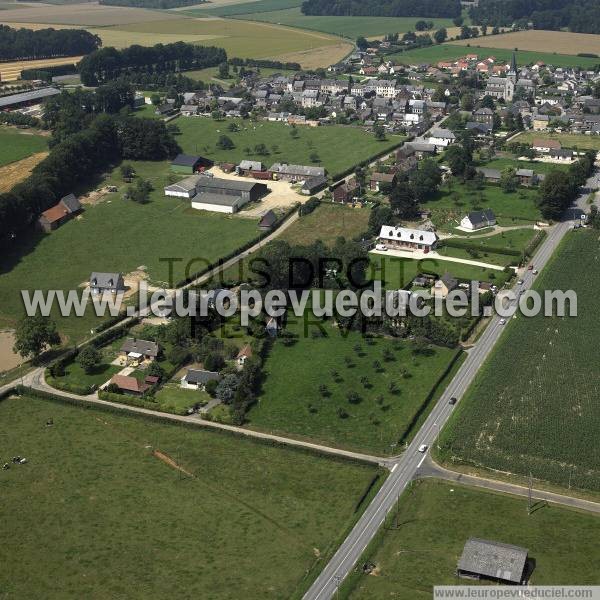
x: 454, y: 201
x: 238, y: 8
x: 536, y: 165
x: 567, y: 140
x: 15, y: 145
x: 292, y: 402
x: 327, y: 223
x: 250, y: 519
x: 200, y: 135
x: 434, y: 54
x: 396, y: 273
x: 350, y: 27
x: 412, y: 558
x: 118, y: 235
x: 533, y: 407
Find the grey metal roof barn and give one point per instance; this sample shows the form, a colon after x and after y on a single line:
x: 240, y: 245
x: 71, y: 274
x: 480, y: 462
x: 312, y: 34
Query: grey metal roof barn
x: 493, y: 560
x: 213, y: 183
x: 36, y: 95
x: 298, y: 170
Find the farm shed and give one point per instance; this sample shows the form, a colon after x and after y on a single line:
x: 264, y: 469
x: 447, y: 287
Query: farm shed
x: 484, y: 559
x: 189, y: 164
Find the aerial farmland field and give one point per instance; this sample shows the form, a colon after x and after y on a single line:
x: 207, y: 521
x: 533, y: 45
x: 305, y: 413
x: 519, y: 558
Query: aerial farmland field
x: 210, y: 512
x: 533, y: 407
x: 16, y: 145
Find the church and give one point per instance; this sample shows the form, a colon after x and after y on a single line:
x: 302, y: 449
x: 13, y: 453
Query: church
x: 505, y: 87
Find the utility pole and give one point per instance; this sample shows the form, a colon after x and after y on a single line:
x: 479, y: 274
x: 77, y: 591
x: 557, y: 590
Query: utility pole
x: 529, y: 498
x: 338, y: 579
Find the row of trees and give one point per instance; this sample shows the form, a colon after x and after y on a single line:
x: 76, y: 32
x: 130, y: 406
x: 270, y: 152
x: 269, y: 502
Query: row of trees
x: 560, y: 188
x: 22, y: 44
x: 384, y: 8
x: 107, y: 64
x: 577, y: 15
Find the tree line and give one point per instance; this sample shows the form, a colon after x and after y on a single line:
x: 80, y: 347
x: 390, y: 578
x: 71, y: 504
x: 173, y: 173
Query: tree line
x: 84, y: 149
x: 106, y: 64
x: 581, y: 16
x: 22, y: 44
x: 384, y: 8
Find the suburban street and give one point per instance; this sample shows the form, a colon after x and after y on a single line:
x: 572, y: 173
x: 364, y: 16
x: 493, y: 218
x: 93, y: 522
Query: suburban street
x: 406, y: 467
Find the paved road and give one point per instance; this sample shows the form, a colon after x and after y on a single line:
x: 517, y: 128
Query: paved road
x: 405, y: 468
x: 431, y: 469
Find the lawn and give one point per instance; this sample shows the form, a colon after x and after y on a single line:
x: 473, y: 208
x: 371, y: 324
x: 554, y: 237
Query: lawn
x: 117, y: 235
x: 247, y: 520
x: 453, y: 202
x: 292, y: 402
x: 412, y: 558
x: 175, y: 397
x: 327, y: 223
x: 209, y: 73
x: 200, y: 135
x: 396, y: 273
x: 74, y: 374
x: 346, y: 26
x: 537, y: 166
x: 567, y: 140
x: 484, y: 248
x: 15, y: 145
x: 533, y: 407
x: 434, y: 54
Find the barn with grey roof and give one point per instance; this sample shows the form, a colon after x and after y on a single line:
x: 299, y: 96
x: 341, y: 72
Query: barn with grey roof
x: 485, y: 559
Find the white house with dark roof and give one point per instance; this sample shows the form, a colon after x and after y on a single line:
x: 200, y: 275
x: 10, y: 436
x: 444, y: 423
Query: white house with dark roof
x: 404, y: 238
x: 478, y: 219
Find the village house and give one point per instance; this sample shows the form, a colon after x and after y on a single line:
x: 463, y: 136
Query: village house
x: 130, y: 385
x: 545, y: 146
x: 243, y: 355
x: 106, y: 282
x: 478, y: 219
x: 403, y: 238
x: 377, y: 180
x: 267, y: 220
x: 443, y: 286
x: 136, y: 350
x: 196, y: 379
x: 490, y: 175
x: 526, y: 177
x: 312, y: 185
x: 294, y: 173
x: 346, y: 191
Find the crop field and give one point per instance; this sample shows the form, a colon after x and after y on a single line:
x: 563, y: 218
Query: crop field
x: 350, y: 27
x: 200, y: 135
x: 228, y: 9
x: 434, y: 54
x: 397, y: 272
x: 116, y: 235
x: 453, y: 202
x: 412, y: 558
x: 83, y: 14
x: 238, y: 38
x: 16, y: 145
x: 537, y: 40
x: 11, y: 71
x: 211, y: 513
x: 390, y: 378
x: 533, y: 407
x: 567, y: 140
x: 327, y: 223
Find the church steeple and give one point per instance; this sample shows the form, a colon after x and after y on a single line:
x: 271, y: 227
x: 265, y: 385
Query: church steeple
x: 513, y: 63
x: 512, y: 72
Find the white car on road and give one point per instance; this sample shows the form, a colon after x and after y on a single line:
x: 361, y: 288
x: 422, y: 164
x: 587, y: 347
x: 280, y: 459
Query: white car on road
x: 423, y: 448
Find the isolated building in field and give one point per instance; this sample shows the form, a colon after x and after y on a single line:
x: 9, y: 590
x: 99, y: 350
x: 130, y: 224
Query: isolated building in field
x: 478, y: 219
x: 501, y: 563
x: 60, y: 213
x: 106, y: 282
x: 403, y: 238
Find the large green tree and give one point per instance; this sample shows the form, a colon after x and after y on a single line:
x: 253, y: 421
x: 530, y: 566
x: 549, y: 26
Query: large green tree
x: 35, y: 334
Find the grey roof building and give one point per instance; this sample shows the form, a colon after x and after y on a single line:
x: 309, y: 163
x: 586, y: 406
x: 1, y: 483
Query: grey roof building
x: 27, y: 97
x: 199, y: 377
x: 142, y: 347
x: 296, y: 171
x: 492, y: 560
x: 110, y: 282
